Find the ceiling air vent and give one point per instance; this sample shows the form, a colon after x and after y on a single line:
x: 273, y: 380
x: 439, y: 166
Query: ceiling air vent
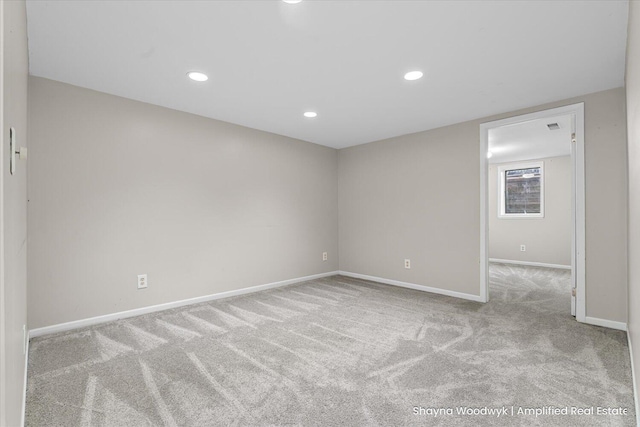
x: 553, y: 126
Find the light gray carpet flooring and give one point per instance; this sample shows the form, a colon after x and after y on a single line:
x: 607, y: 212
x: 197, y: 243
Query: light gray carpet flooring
x: 339, y: 351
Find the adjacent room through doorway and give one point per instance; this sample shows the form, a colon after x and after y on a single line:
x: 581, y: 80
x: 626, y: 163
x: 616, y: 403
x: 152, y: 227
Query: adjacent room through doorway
x: 530, y: 202
x: 533, y: 189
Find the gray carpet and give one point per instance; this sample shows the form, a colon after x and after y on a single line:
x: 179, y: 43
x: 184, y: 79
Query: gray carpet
x: 339, y: 351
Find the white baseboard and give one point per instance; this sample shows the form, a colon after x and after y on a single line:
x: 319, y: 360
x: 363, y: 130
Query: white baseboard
x: 529, y: 263
x: 24, y: 385
x: 413, y: 286
x: 62, y: 327
x: 633, y: 378
x: 606, y: 323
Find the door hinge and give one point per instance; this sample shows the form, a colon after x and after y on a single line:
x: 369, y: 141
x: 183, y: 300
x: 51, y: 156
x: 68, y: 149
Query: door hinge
x: 573, y: 137
x: 573, y: 292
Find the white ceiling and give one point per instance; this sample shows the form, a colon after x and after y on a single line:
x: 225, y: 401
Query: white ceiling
x: 531, y: 140
x: 269, y: 61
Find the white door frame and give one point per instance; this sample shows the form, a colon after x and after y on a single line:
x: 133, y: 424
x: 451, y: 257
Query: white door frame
x: 3, y: 367
x: 578, y: 260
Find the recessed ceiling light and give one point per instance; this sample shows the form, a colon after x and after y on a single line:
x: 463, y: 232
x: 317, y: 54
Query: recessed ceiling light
x: 310, y: 114
x: 197, y: 76
x: 292, y: 1
x: 413, y: 75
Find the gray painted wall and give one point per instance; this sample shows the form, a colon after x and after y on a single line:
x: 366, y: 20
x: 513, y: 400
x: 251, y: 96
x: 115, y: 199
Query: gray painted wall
x: 204, y: 206
x: 119, y: 188
x: 13, y: 295
x: 413, y: 197
x: 633, y: 129
x: 548, y: 239
x: 417, y: 196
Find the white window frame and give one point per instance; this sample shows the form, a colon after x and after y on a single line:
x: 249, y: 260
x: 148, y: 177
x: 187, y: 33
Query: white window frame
x: 501, y: 187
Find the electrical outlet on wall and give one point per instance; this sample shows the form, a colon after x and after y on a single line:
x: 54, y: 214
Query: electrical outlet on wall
x: 407, y: 263
x: 142, y: 281
x: 523, y: 248
x: 324, y: 256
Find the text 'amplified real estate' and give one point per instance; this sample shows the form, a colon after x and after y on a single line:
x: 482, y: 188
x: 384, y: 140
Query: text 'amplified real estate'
x: 511, y: 411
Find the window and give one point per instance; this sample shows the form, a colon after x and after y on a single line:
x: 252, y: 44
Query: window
x: 521, y: 190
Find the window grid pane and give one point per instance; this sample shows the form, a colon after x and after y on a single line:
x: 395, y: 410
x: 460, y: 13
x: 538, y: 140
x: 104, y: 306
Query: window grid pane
x: 522, y: 191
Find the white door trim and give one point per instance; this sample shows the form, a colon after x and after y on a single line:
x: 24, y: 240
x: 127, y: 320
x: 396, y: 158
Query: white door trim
x: 3, y: 352
x: 578, y: 212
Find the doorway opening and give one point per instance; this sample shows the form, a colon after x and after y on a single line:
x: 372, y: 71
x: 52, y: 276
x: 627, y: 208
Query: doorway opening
x: 516, y: 191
